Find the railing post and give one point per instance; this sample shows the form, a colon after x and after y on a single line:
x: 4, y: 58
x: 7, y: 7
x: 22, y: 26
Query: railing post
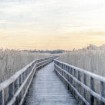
x: 73, y: 82
x: 2, y: 97
x: 92, y: 88
x: 11, y: 91
x: 85, y: 82
x: 79, y: 76
x: 76, y: 86
x: 79, y: 86
x: 71, y: 78
x: 20, y: 80
x: 67, y: 77
x: 63, y: 68
x: 16, y: 85
x: 75, y: 77
x: 102, y: 90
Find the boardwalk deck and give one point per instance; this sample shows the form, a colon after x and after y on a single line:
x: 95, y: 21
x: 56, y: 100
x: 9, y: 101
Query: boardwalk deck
x: 47, y: 89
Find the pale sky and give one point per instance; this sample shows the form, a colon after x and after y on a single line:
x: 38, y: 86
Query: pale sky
x: 51, y: 24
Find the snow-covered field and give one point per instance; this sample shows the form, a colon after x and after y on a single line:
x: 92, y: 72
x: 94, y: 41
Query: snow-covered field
x: 13, y: 60
x: 91, y: 58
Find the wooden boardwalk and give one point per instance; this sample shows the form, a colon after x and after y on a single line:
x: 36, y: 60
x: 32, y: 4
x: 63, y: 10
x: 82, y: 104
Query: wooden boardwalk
x: 47, y: 89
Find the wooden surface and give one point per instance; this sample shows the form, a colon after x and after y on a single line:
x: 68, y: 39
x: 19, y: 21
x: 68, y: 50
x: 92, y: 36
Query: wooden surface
x: 47, y: 89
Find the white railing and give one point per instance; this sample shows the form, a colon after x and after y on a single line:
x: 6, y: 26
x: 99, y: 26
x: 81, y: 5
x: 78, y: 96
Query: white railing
x: 82, y: 84
x: 14, y: 90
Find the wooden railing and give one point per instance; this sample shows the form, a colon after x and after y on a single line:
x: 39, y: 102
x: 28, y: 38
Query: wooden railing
x: 14, y: 90
x: 88, y: 88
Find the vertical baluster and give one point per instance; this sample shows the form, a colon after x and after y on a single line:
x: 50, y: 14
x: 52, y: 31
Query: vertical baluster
x: 54, y: 66
x: 92, y: 88
x: 20, y: 80
x: 85, y: 82
x: 79, y: 76
x: 72, y: 73
x: 22, y: 77
x: 62, y: 66
x: 66, y: 68
x: 63, y: 69
x: 102, y: 90
x: 74, y: 76
x: 71, y: 78
x: 11, y: 91
x: 76, y: 86
x: 2, y: 97
x: 66, y: 76
x: 68, y: 72
x: 79, y: 86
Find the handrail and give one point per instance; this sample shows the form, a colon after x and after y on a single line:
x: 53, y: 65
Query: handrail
x: 95, y: 76
x: 14, y: 77
x: 14, y: 89
x: 77, y: 78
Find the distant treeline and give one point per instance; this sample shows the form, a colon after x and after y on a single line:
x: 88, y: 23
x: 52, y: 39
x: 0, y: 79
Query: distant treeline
x: 47, y: 51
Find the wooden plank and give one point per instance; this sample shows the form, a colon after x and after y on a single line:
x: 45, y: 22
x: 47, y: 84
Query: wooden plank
x: 53, y: 92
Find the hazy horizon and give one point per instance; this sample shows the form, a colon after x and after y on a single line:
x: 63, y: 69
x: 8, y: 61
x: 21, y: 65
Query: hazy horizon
x: 51, y: 24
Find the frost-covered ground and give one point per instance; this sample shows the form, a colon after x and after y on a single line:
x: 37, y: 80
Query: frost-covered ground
x: 13, y: 60
x: 91, y: 58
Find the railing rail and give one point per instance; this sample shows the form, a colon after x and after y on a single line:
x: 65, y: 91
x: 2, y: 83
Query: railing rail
x: 82, y: 83
x: 14, y: 90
